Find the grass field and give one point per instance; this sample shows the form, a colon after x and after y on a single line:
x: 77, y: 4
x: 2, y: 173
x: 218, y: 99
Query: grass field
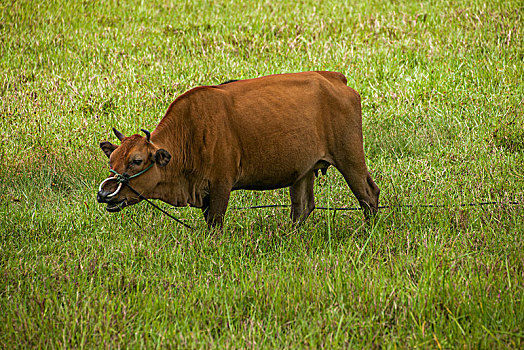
x: 442, y: 84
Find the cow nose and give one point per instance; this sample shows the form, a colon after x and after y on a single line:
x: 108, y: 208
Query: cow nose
x: 101, y: 196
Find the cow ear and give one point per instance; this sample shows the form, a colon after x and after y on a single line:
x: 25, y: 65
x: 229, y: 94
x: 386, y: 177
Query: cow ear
x: 107, y: 147
x: 162, y: 157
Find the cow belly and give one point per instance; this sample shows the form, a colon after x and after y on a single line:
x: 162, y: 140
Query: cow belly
x: 278, y: 157
x: 277, y: 175
x: 267, y: 181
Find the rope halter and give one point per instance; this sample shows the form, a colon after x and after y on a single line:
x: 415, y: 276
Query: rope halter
x: 121, y: 179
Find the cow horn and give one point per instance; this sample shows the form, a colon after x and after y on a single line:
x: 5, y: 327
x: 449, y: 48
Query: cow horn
x: 148, y: 134
x: 118, y: 134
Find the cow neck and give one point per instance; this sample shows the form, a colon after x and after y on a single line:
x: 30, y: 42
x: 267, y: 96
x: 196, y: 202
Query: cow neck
x: 169, y: 144
x: 179, y: 185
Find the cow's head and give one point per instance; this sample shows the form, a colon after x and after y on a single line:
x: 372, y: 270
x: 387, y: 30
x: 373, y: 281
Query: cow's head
x: 138, y: 161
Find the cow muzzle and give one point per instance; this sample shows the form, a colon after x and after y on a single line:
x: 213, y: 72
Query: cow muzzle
x: 113, y: 203
x: 110, y: 198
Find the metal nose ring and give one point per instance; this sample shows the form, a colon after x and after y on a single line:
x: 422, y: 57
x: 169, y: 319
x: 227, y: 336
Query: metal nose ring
x: 117, y: 189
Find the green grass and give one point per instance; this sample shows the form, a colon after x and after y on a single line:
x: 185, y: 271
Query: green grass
x: 442, y: 88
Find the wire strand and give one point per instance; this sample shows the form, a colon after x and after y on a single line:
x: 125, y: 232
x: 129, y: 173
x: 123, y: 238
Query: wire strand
x: 380, y: 207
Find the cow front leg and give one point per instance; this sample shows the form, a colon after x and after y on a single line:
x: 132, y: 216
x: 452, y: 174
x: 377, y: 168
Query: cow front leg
x: 205, y: 207
x: 215, y: 206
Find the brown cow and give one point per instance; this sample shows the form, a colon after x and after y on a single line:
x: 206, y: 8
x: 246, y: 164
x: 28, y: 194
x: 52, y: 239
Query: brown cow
x: 256, y: 134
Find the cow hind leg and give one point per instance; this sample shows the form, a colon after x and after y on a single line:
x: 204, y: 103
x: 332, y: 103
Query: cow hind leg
x: 302, y: 199
x: 363, y: 187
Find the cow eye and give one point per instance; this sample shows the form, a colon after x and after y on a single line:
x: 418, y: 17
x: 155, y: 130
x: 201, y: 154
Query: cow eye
x: 137, y: 161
